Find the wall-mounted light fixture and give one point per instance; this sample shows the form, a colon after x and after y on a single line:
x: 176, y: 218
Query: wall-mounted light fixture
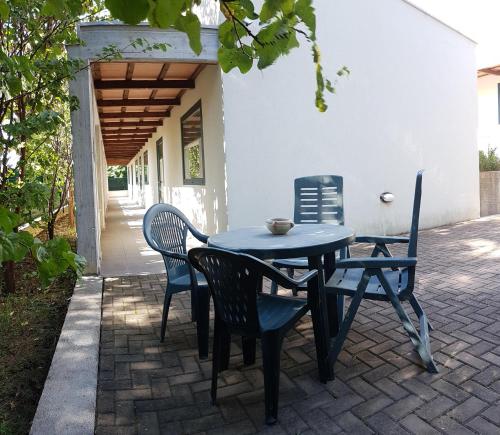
x: 387, y: 197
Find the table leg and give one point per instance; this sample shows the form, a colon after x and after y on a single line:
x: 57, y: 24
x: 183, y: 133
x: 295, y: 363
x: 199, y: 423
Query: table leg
x: 317, y: 303
x: 334, y: 309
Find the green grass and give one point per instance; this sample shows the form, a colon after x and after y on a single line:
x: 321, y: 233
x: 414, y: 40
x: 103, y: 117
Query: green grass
x: 30, y: 324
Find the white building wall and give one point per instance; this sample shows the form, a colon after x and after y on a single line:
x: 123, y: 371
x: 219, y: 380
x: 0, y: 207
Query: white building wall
x: 488, y: 103
x: 204, y: 205
x: 409, y: 103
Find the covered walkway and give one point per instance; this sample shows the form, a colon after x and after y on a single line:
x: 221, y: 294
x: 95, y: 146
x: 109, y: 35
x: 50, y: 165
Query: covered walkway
x: 124, y: 250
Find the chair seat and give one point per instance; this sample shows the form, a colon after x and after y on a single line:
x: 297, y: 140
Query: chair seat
x: 294, y: 263
x: 345, y: 281
x: 277, y: 311
x: 184, y: 281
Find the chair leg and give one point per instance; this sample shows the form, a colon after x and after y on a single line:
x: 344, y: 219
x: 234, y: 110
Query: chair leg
x: 248, y: 345
x: 421, y: 342
x: 202, y: 324
x: 419, y: 311
x: 225, y: 351
x: 340, y: 307
x: 351, y: 313
x: 274, y: 288
x: 271, y: 350
x: 290, y: 272
x: 194, y: 304
x: 216, y: 358
x: 164, y: 317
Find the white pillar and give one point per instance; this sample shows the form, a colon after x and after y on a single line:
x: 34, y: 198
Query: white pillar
x: 82, y: 128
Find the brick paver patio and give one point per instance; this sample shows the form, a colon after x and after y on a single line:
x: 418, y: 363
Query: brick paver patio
x: 148, y: 387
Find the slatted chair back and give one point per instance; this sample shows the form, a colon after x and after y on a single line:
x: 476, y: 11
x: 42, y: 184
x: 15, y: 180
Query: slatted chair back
x: 412, y: 246
x: 319, y: 200
x: 165, y: 229
x: 234, y: 281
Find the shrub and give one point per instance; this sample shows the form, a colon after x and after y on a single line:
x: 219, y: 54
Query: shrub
x: 489, y: 161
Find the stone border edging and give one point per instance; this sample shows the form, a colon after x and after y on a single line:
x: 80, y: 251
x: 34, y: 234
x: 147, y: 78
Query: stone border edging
x: 68, y: 401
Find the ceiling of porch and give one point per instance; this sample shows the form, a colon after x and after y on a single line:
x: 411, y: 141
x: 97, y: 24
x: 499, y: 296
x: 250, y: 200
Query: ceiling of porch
x: 133, y: 98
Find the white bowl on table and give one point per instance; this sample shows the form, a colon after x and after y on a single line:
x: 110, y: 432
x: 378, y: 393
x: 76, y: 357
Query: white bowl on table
x: 279, y: 226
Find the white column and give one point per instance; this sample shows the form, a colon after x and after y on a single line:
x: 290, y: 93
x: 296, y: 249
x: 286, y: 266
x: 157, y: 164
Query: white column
x: 82, y: 129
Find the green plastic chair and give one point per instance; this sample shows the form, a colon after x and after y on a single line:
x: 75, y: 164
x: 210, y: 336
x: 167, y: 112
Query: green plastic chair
x: 165, y: 229
x: 241, y: 308
x: 319, y: 199
x: 390, y: 279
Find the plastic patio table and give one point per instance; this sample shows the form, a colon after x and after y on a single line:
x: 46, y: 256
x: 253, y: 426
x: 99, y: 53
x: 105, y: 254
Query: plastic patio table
x: 312, y: 241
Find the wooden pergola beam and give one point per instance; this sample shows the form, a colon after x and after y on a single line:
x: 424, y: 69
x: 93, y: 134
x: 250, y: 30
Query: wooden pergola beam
x: 492, y: 71
x: 144, y: 84
x: 128, y: 130
x: 124, y: 142
x: 126, y: 135
x: 134, y: 115
x: 132, y: 102
x: 132, y: 124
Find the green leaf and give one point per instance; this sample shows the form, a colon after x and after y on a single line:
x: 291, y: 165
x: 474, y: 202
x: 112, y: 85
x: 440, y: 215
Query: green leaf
x: 269, y: 9
x: 190, y: 24
x: 249, y: 8
x: 167, y: 12
x: 267, y: 56
x: 4, y: 10
x: 129, y: 11
x: 305, y: 11
x: 230, y: 58
x: 227, y: 36
x: 287, y: 6
x: 53, y: 8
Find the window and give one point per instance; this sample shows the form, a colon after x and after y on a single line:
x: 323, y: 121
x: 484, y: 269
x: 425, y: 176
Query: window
x: 146, y: 172
x: 136, y: 166
x: 193, y: 161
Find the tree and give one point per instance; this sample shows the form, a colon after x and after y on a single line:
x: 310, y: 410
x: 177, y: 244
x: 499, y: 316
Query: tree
x: 246, y: 37
x: 51, y: 162
x: 34, y: 102
x: 489, y: 161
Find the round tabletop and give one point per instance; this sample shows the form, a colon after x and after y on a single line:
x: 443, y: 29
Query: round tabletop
x: 301, y: 241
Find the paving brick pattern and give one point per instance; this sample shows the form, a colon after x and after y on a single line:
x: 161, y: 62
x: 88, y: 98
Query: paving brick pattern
x: 150, y: 388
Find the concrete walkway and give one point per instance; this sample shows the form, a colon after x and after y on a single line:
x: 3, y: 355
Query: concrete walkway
x: 124, y: 250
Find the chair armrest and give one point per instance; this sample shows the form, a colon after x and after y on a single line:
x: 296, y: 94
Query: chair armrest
x: 382, y: 239
x: 284, y: 280
x: 306, y: 277
x: 375, y: 262
x: 172, y: 254
x: 200, y: 236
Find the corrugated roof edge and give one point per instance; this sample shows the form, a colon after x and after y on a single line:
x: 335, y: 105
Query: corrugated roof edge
x: 418, y: 8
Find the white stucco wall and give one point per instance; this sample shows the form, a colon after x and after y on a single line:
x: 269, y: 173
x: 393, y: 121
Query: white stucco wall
x: 409, y: 103
x: 204, y: 205
x: 489, y: 124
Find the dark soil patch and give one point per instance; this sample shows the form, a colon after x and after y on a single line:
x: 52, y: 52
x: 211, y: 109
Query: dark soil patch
x: 30, y: 323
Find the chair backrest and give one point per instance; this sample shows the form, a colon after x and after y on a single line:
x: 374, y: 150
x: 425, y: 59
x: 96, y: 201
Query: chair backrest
x: 165, y: 228
x: 234, y: 281
x: 412, y: 246
x: 319, y: 200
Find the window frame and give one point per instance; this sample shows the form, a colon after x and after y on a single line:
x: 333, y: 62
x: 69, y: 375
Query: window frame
x: 201, y: 180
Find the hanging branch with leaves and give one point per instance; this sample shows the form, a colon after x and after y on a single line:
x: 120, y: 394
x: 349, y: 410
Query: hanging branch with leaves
x: 247, y: 37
